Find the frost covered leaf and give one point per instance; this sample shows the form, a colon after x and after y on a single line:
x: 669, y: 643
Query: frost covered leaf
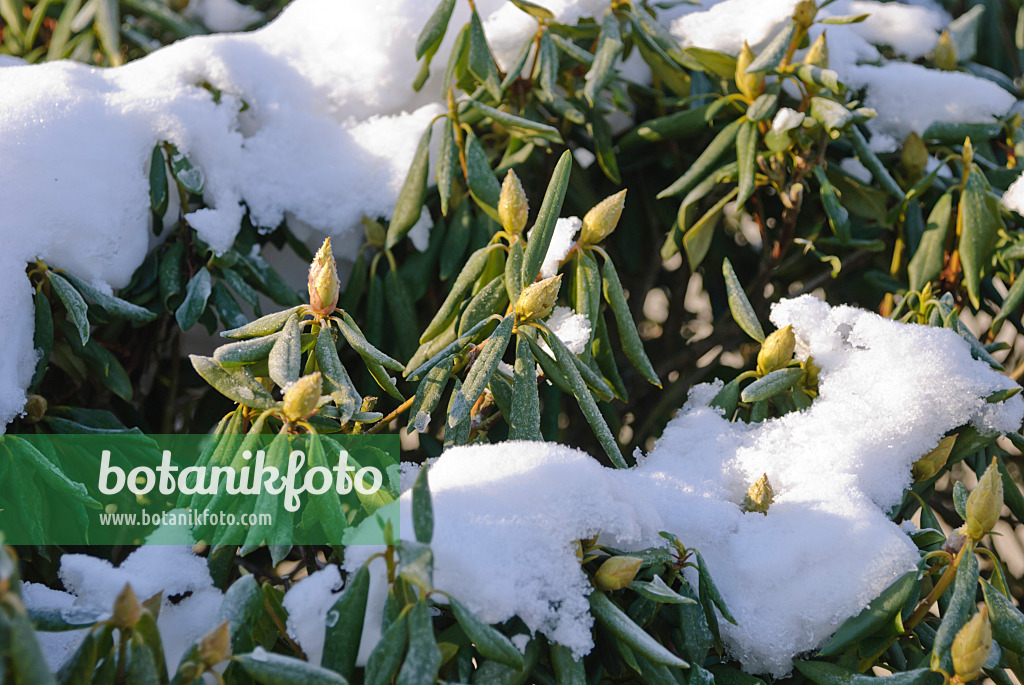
x: 341, y: 645
x: 739, y: 305
x: 197, y: 293
x: 926, y: 263
x: 609, y: 47
x: 386, y: 656
x: 423, y: 658
x: 158, y: 194
x: 620, y: 625
x: 1007, y: 620
x: 544, y: 228
x: 657, y: 590
x: 236, y: 384
x: 772, y: 384
x: 433, y: 31
x: 266, y: 325
x: 368, y: 352
x: 631, y: 343
x: 961, y: 603
x: 960, y: 497
x: 42, y: 338
x: 268, y: 667
x: 449, y: 309
x: 73, y: 302
x: 245, y: 351
x: 190, y: 177
x: 525, y: 128
x: 877, y: 615
x: 489, y: 642
x: 410, y: 199
x: 481, y: 371
x: 422, y: 511
x: 285, y: 356
x: 773, y: 53
x: 746, y: 153
x: 481, y: 62
x: 524, y: 422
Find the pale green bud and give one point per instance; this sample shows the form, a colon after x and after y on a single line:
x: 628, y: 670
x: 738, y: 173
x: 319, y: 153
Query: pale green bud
x: 127, y: 610
x: 538, y: 299
x: 776, y: 351
x: 914, y: 156
x: 945, y: 53
x: 35, y: 408
x: 971, y: 647
x: 931, y: 463
x: 759, y: 496
x: 985, y: 503
x: 215, y: 646
x: 749, y: 85
x: 968, y: 155
x: 513, y: 207
x: 302, y: 397
x: 811, y: 371
x: 376, y: 234
x: 323, y: 284
x: 602, y: 218
x: 804, y: 13
x: 817, y: 54
x: 617, y: 572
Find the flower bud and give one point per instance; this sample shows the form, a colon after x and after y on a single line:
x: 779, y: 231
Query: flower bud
x: 955, y: 541
x: 376, y: 234
x: 617, y: 572
x: 35, y: 408
x: 602, y: 218
x: 776, y: 351
x: 811, y: 371
x: 817, y: 54
x: 513, y: 207
x: 968, y: 155
x: 302, y: 397
x: 931, y: 463
x: 323, y: 281
x: 914, y: 156
x: 748, y: 84
x: 945, y: 53
x: 127, y: 610
x: 985, y: 503
x: 215, y: 646
x: 971, y: 647
x: 538, y: 299
x: 804, y: 13
x: 759, y: 496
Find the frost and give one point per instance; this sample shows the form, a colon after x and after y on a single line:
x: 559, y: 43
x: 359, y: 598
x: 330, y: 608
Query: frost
x: 223, y: 15
x: 421, y: 421
x: 93, y: 584
x: 505, y: 515
x: 562, y: 240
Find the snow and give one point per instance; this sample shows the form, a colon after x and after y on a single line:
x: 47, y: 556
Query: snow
x: 786, y: 119
x: 571, y: 328
x: 506, y: 515
x: 1013, y: 198
x: 308, y: 604
x: 93, y: 584
x: 562, y: 240
x: 223, y: 15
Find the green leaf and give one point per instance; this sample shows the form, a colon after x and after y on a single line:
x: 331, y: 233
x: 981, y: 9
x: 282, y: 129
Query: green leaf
x: 403, y: 315
x: 683, y: 124
x: 1007, y: 620
x: 266, y: 325
x: 587, y: 290
x: 358, y: 341
x: 524, y: 422
x: 701, y: 166
x: 341, y: 643
x: 285, y: 360
x: 620, y: 625
x: 447, y: 166
x: 158, y: 194
x: 114, y: 306
x: 236, y: 384
x: 739, y: 305
x: 414, y: 191
x: 773, y: 53
x: 838, y: 217
x: 713, y: 61
x: 977, y: 228
x: 480, y: 178
x: 524, y: 128
x: 961, y: 604
x: 428, y: 394
x: 277, y: 669
x: 49, y: 472
x: 567, y: 363
x: 771, y: 385
x: 709, y: 590
x: 544, y: 227
x: 228, y: 310
x: 601, y: 131
x: 761, y: 108
x: 697, y: 240
x: 870, y: 160
x: 877, y: 615
x: 630, y: 339
x: 960, y: 495
x: 481, y: 62
x: 825, y: 78
x: 658, y: 591
x: 336, y: 381
x: 433, y: 32
x: 602, y: 70
x: 488, y: 641
x: 823, y: 673
x: 746, y: 159
x: 481, y: 371
x: 547, y: 67
x: 422, y: 509
x: 533, y: 9
x: 197, y: 294
x: 954, y: 133
x: 514, y: 270
x: 926, y: 264
x: 489, y: 301
x: 448, y: 347
x: 73, y: 302
x: 169, y: 273
x: 1011, y: 302
x: 423, y: 659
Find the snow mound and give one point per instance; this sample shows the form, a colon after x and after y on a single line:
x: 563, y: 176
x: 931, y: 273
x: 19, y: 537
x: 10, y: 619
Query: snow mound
x: 506, y: 515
